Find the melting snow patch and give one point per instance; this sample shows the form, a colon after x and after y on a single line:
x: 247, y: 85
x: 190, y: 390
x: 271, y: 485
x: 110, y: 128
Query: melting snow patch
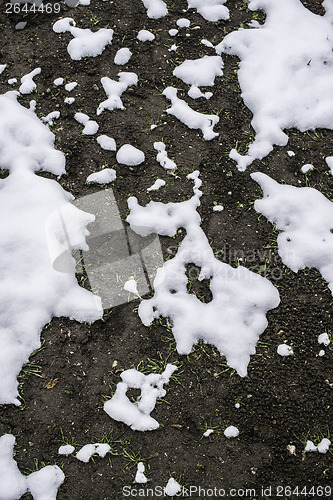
x: 218, y: 208
x: 11, y: 81
x: 235, y: 317
x: 137, y: 414
x: 183, y: 23
x: 173, y: 48
x: 107, y: 142
x: 285, y: 73
x: 104, y: 176
x: 32, y: 288
x: 87, y: 451
x: 157, y: 185
x: 155, y: 8
x: 90, y: 126
x: 131, y: 286
x: 200, y: 72
x: 207, y: 43
x: 2, y: 68
x: 231, y: 432
x: 114, y: 90
x: 85, y: 42
x: 322, y: 447
x: 129, y: 155
x: 192, y: 119
x: 208, y: 432
x: 211, y: 10
x: 162, y: 157
x: 304, y: 218
x: 290, y: 153
x: 67, y: 449
x: 145, y: 36
x: 27, y: 83
x: 122, y: 56
x: 173, y: 32
x: 284, y: 350
x: 42, y: 484
x: 69, y: 100
x: 172, y: 487
x: 139, y: 476
x: 307, y: 168
x: 58, y: 81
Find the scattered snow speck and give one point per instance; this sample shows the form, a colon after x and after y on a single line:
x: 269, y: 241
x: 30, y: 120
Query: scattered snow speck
x: 88, y: 450
x: 66, y: 449
x: 58, y: 81
x: 284, y: 350
x: 122, y: 56
x: 237, y: 405
x: 321, y: 353
x: 183, y: 23
x: 231, y: 432
x: 27, y: 83
x: 11, y: 81
x: 307, y: 168
x: 70, y: 86
x: 157, y: 185
x: 290, y: 153
x: 104, y: 176
x: 172, y: 487
x: 69, y: 100
x: 145, y: 36
x: 107, y: 142
x: 139, y: 476
x: 208, y: 432
x: 323, y: 338
x: 173, y: 32
x: 322, y: 447
x: 207, y: 43
x: 129, y: 155
x: 2, y: 68
x: 218, y: 208
x: 173, y: 48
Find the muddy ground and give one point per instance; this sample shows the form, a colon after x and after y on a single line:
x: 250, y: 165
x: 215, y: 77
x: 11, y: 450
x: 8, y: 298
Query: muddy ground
x: 283, y: 401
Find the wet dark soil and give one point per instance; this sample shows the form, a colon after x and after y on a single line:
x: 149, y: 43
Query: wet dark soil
x: 283, y: 401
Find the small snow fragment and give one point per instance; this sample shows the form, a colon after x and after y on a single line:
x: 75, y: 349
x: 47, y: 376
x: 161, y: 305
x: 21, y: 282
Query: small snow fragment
x: 321, y: 353
x: 310, y: 446
x: 32, y: 105
x: 290, y: 153
x: 207, y: 43
x: 162, y: 157
x: 153, y: 126
x: 306, y: 168
x: 70, y: 86
x: 114, y: 90
x: 20, y: 26
x: 218, y: 208
x: 172, y: 487
x: 183, y: 23
x: 211, y: 10
x: 173, y: 32
x: 122, y: 56
x: 90, y: 126
x: 54, y: 115
x: 323, y: 338
x: 2, y: 68
x: 231, y: 432
x: 155, y: 8
x: 324, y: 445
x: 107, y: 142
x: 173, y: 48
x: 66, y: 450
x: 139, y: 476
x: 69, y: 100
x: 58, y: 81
x: 131, y: 286
x: 329, y: 161
x: 27, y: 83
x: 237, y: 405
x: 208, y: 432
x: 11, y: 81
x: 157, y: 185
x: 104, y: 176
x: 87, y: 451
x: 284, y: 350
x: 129, y: 155
x: 145, y: 36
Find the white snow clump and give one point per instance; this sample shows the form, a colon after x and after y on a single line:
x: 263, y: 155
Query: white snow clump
x: 323, y: 338
x: 105, y: 176
x: 122, y: 56
x: 285, y: 350
x: 322, y: 447
x: 139, y: 476
x: 88, y: 450
x: 172, y: 487
x: 145, y: 36
x: 211, y: 10
x: 304, y: 218
x: 231, y: 432
x: 155, y: 8
x: 129, y: 155
x: 66, y: 449
x: 137, y: 414
x: 157, y: 185
x: 90, y: 126
x: 199, y: 73
x: 27, y: 83
x: 114, y: 90
x: 162, y: 157
x: 106, y: 142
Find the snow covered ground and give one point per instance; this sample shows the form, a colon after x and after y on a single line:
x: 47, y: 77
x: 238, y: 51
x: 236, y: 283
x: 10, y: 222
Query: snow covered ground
x: 121, y: 186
